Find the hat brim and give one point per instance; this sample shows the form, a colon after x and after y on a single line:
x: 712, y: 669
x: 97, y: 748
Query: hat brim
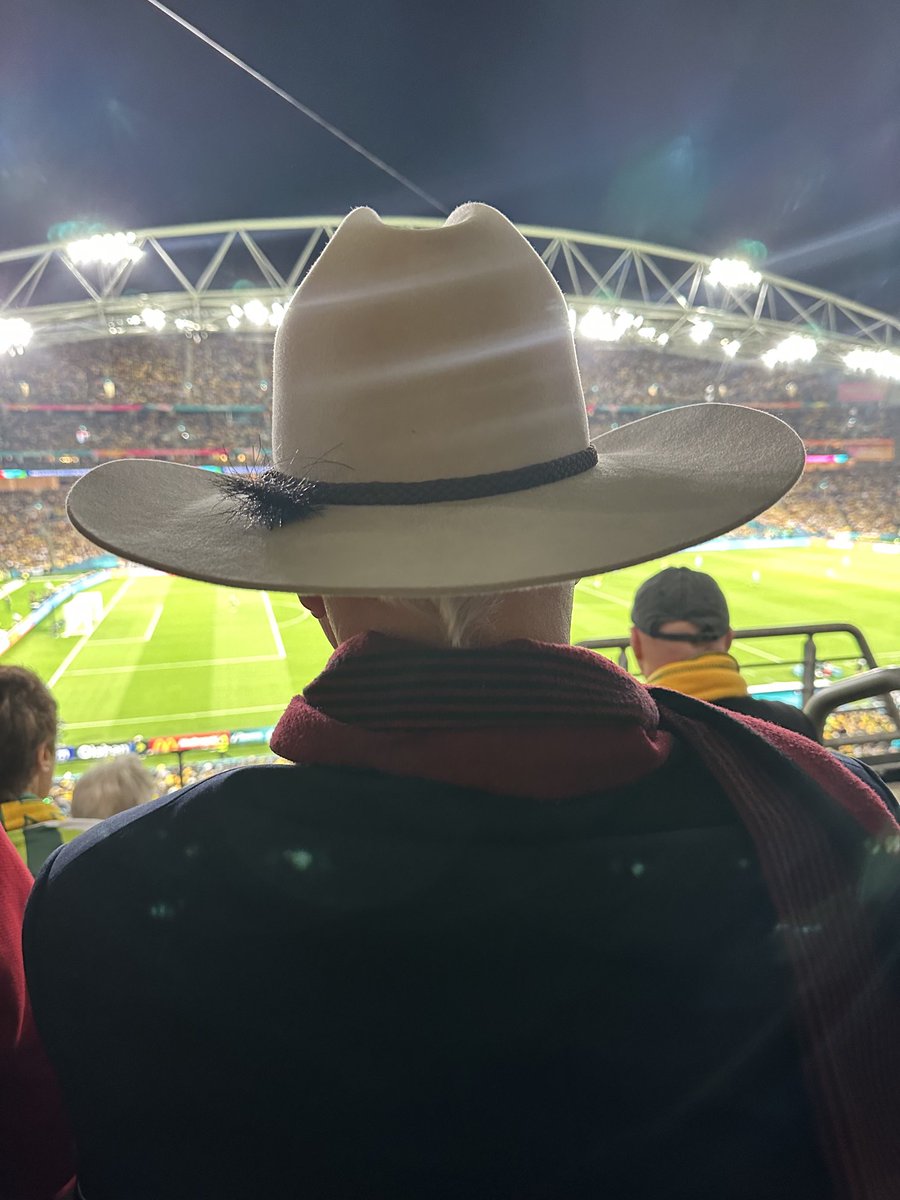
x: 662, y: 483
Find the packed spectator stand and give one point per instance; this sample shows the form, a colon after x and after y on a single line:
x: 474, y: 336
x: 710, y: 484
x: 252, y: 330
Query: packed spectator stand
x: 205, y: 399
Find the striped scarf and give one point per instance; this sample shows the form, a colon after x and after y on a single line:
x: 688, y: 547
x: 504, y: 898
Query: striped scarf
x: 555, y: 721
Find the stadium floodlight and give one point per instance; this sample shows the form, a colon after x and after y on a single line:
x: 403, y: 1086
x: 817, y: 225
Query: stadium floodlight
x: 15, y: 334
x: 107, y: 249
x: 233, y: 321
x: 884, y: 363
x: 647, y: 332
x: 256, y: 312
x: 153, y: 318
x: 700, y: 331
x: 662, y: 340
x: 795, y: 348
x: 732, y: 273
x: 183, y: 325
x: 573, y: 319
x: 730, y: 346
x: 600, y: 325
x: 276, y: 315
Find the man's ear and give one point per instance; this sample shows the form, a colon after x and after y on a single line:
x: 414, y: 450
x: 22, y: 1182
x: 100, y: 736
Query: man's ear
x: 46, y: 756
x: 729, y: 638
x: 635, y: 638
x: 315, y: 605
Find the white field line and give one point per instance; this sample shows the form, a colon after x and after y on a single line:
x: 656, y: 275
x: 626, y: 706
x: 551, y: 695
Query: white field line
x: 83, y: 641
x: 273, y: 625
x: 761, y: 653
x: 154, y: 621
x: 190, y: 716
x: 178, y: 666
x: 597, y: 594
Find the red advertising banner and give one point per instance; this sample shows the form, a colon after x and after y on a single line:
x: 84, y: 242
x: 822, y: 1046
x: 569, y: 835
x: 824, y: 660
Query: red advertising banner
x: 172, y: 743
x: 859, y: 449
x: 861, y: 391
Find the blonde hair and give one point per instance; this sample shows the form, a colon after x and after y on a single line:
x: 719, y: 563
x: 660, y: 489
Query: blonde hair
x: 112, y: 787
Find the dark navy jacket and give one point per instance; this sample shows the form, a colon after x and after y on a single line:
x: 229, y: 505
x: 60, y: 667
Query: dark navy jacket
x: 317, y: 982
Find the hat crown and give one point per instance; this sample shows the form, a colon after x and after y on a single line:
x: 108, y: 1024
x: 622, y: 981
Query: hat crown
x: 413, y: 354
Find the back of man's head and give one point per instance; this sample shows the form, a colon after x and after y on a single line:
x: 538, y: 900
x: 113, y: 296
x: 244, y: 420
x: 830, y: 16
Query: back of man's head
x: 677, y: 614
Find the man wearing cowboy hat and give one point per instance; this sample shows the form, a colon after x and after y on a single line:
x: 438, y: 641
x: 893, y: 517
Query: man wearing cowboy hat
x: 513, y: 925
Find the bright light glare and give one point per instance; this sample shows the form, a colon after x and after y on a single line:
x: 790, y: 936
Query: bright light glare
x: 884, y: 363
x: 700, y: 331
x: 108, y: 249
x: 573, y: 319
x: 730, y: 347
x: 153, y: 318
x: 662, y: 340
x: 256, y: 312
x: 796, y: 348
x: 732, y: 273
x: 15, y: 334
x: 600, y: 325
x: 186, y: 326
x: 647, y: 332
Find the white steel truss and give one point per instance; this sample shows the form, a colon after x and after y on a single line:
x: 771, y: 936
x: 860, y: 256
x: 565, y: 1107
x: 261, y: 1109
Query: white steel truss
x: 197, y: 273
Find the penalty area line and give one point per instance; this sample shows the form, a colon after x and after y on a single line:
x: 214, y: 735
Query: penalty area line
x: 188, y: 716
x: 83, y: 641
x: 154, y: 621
x: 273, y: 625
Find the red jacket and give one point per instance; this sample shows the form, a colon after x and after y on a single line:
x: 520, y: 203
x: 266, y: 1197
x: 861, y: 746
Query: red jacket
x: 37, y: 1159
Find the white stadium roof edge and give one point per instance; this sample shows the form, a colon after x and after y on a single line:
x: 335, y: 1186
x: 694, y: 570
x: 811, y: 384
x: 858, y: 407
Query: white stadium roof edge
x: 237, y: 275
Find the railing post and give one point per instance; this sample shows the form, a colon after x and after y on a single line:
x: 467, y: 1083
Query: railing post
x: 809, y: 668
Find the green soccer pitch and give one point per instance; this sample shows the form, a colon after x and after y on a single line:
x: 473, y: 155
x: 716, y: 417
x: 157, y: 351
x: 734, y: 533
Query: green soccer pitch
x: 174, y: 656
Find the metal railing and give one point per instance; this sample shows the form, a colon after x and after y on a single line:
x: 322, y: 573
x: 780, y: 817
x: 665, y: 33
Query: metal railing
x: 880, y: 682
x: 877, y: 682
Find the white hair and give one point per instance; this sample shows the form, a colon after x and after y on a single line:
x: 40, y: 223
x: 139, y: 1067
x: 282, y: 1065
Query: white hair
x: 458, y: 618
x: 112, y: 787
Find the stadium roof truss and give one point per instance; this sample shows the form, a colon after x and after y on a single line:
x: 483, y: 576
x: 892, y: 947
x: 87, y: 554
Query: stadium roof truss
x: 195, y: 278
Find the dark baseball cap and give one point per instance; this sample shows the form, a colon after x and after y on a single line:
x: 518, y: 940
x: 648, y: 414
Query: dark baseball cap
x: 680, y: 594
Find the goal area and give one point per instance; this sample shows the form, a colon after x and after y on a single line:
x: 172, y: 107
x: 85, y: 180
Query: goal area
x: 82, y: 614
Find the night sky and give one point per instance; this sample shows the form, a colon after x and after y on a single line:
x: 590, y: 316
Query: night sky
x: 696, y: 124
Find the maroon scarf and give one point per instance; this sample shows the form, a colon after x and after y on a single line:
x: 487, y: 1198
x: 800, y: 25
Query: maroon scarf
x: 552, y: 722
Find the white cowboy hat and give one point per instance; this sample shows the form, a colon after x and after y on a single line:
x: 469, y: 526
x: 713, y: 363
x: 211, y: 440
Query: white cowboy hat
x: 430, y: 437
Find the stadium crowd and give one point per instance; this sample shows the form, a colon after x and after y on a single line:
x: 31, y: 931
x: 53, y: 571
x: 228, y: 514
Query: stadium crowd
x: 620, y: 383
x: 55, y: 433
x: 224, y: 369
x: 145, y: 369
x: 35, y: 535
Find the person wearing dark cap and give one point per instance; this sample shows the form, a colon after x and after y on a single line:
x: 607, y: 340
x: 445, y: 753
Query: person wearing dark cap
x: 681, y: 634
